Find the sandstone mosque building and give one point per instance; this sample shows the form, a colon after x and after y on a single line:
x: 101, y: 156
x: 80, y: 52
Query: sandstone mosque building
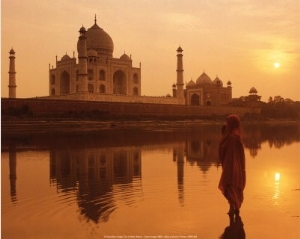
x: 98, y: 76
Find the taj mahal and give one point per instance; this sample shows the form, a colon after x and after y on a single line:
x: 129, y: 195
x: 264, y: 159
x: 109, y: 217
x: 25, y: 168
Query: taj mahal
x: 97, y: 71
x: 96, y: 75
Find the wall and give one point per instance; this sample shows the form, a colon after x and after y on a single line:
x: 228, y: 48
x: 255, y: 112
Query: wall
x: 118, y: 98
x: 44, y: 107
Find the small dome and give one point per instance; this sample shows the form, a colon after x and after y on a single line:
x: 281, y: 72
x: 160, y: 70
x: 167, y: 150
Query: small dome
x: 191, y: 83
x: 82, y: 29
x: 65, y: 58
x: 92, y: 53
x: 253, y: 91
x: 229, y: 83
x: 125, y: 57
x: 174, y: 86
x: 12, y: 51
x: 203, y: 79
x: 217, y: 81
x: 179, y: 49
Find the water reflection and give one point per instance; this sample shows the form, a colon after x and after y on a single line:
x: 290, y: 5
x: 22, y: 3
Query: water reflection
x: 104, y: 169
x: 178, y: 157
x: 93, y: 173
x: 101, y: 168
x: 235, y: 230
x: 276, y: 188
x: 13, y: 172
x: 276, y: 135
x: 202, y: 152
x: 99, y: 171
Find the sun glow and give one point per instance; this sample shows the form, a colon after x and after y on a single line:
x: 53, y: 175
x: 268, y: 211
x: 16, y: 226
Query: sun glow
x: 277, y: 177
x: 275, y: 60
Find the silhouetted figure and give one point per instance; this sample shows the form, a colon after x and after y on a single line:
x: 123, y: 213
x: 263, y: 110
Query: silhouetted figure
x: 232, y: 157
x: 235, y: 230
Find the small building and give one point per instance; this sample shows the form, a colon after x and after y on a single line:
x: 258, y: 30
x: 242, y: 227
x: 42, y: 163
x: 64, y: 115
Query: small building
x: 252, y: 100
x: 207, y: 92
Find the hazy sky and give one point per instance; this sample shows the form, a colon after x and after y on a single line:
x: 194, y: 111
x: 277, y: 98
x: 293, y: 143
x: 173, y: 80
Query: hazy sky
x: 236, y: 40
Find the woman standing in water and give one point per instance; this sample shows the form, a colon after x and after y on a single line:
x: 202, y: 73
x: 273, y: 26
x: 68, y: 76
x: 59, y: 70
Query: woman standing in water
x: 232, y: 157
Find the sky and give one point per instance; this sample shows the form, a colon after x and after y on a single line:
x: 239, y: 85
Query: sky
x: 252, y: 43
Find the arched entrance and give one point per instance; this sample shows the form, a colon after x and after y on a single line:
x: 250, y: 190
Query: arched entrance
x: 119, y: 83
x: 52, y: 79
x: 65, y: 83
x: 91, y: 88
x: 195, y: 99
x: 102, y: 89
x: 135, y: 79
x: 102, y: 75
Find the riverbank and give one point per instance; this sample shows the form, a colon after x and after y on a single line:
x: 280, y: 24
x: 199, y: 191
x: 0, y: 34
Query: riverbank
x: 46, y: 126
x: 56, y: 126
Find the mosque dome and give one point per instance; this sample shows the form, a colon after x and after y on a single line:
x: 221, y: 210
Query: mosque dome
x: 65, y: 58
x: 99, y: 40
x: 191, y: 83
x: 217, y: 81
x: 203, y: 79
x: 125, y: 57
x: 253, y: 91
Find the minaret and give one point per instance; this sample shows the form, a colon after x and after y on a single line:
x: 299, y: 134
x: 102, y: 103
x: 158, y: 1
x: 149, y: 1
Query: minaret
x: 180, y: 93
x: 82, y: 61
x: 12, y: 87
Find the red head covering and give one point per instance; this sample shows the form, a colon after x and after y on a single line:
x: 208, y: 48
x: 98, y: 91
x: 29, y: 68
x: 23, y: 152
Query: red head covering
x: 233, y: 125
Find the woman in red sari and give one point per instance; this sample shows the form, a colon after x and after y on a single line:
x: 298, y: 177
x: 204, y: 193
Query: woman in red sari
x: 232, y: 157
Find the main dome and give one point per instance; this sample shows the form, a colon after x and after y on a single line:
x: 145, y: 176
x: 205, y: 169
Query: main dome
x: 203, y: 79
x: 99, y: 40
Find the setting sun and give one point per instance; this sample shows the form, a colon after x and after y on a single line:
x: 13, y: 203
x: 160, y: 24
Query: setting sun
x: 277, y: 177
x: 276, y: 64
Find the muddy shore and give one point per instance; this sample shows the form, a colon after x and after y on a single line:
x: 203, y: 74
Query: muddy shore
x: 16, y: 127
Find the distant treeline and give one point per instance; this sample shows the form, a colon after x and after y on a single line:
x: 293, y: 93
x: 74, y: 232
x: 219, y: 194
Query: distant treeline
x: 281, y: 110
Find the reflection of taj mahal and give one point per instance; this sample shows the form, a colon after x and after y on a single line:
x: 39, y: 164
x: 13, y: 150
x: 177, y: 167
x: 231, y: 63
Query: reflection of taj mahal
x: 102, y: 170
x: 95, y: 164
x: 95, y: 173
x: 98, y: 76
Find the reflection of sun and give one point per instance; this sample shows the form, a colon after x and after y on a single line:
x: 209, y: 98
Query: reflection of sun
x: 276, y: 188
x: 276, y: 64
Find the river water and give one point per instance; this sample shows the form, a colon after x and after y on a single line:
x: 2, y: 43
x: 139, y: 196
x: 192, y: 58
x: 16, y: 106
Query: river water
x: 158, y: 183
